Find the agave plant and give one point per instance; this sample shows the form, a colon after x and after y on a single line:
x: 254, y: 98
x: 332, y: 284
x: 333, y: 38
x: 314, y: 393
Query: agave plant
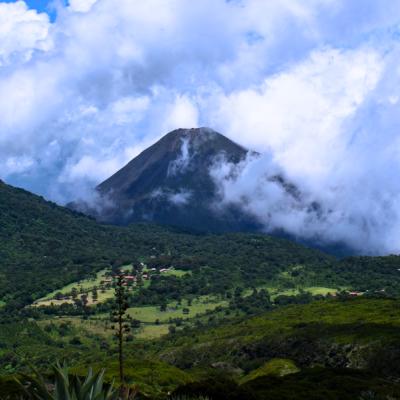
x: 66, y: 387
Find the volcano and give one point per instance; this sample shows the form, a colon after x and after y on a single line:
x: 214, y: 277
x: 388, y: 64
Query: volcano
x: 171, y: 183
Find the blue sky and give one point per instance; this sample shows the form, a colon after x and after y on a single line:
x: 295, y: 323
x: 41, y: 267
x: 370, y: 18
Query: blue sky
x: 312, y: 85
x: 39, y: 5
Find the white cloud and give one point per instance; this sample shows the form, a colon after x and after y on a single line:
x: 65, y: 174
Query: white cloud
x: 298, y: 114
x: 18, y: 165
x: 181, y: 113
x: 128, y: 110
x: 89, y: 168
x: 22, y: 31
x: 180, y: 198
x: 182, y: 161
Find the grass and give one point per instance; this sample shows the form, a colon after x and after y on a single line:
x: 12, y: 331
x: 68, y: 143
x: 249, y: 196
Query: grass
x: 85, y: 284
x: 148, y: 315
x: 88, y: 284
x: 199, y: 306
x: 101, y: 297
x: 314, y: 290
x: 151, y: 331
x: 276, y: 291
x: 176, y: 272
x: 274, y: 367
x: 80, y: 325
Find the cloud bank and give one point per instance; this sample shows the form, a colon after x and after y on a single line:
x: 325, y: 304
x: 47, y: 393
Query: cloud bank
x: 313, y: 85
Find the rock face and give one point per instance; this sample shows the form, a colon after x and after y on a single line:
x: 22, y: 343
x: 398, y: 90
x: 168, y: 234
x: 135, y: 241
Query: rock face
x: 170, y: 183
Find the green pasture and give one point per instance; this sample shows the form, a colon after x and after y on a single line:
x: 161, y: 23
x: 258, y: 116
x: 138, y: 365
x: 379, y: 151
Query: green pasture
x: 199, y: 306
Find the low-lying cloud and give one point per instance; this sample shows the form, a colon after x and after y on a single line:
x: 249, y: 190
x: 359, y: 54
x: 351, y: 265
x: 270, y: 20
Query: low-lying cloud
x: 314, y: 86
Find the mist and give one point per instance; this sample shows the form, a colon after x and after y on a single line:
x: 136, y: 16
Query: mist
x: 312, y: 86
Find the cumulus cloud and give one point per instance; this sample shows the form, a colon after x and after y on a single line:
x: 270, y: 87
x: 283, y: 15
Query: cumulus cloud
x: 314, y: 86
x: 328, y: 126
x: 22, y: 32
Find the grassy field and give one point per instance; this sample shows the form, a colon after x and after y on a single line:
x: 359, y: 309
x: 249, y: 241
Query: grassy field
x: 147, y: 315
x: 97, y: 327
x: 86, y: 284
x: 199, y: 306
x: 274, y: 367
x: 102, y: 328
x: 314, y: 290
x: 176, y: 272
x: 152, y: 331
x: 101, y: 297
x: 275, y: 291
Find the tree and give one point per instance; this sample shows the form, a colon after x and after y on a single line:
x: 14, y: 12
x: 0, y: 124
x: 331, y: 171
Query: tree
x: 171, y: 329
x: 94, y: 294
x: 139, y: 279
x: 74, y: 293
x: 135, y: 323
x: 84, y: 299
x: 59, y: 296
x: 121, y: 319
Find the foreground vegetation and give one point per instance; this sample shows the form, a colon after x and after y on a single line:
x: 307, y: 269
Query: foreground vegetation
x: 302, y: 349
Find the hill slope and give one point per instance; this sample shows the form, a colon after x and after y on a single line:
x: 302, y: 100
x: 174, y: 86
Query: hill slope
x: 44, y: 246
x: 355, y: 333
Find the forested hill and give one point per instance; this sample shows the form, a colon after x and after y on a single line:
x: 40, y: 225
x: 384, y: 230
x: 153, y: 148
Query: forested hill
x: 44, y: 246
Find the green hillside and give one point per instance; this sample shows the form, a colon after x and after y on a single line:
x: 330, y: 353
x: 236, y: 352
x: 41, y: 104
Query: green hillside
x: 335, y: 333
x: 44, y: 247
